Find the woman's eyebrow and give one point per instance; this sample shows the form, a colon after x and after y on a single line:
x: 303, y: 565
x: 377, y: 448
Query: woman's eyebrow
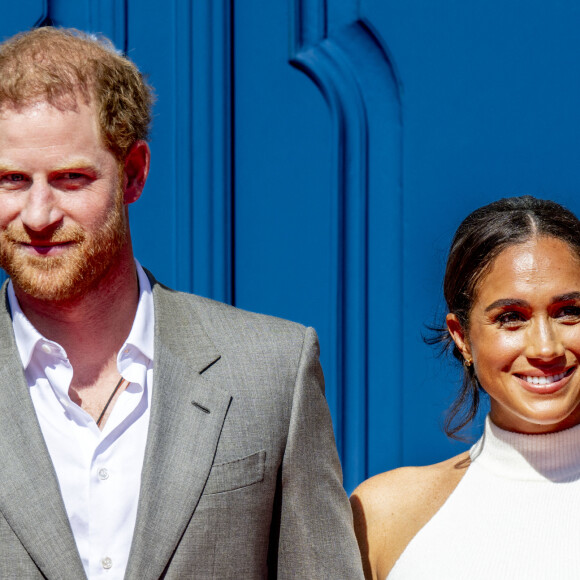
x: 522, y: 303
x: 566, y: 297
x: 507, y: 302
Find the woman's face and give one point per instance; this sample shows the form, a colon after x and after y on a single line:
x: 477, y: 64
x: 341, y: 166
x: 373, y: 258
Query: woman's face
x: 524, y: 336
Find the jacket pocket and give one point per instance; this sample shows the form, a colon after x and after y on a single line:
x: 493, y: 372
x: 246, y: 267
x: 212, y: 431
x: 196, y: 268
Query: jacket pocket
x: 236, y: 474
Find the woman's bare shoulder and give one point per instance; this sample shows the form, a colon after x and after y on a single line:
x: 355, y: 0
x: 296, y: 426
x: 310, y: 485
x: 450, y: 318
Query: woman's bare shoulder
x: 390, y: 508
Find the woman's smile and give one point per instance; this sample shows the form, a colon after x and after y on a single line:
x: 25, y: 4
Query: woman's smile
x: 545, y: 384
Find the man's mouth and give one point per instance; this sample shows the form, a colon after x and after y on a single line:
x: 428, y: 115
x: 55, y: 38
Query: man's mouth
x: 43, y: 247
x: 46, y: 248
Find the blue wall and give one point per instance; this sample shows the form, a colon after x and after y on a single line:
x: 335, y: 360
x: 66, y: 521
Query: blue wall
x: 312, y: 158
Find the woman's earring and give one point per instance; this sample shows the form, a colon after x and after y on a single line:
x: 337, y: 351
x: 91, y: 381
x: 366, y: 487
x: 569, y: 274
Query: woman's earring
x: 467, y: 362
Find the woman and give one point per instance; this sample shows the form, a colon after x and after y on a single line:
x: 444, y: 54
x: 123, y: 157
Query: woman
x: 510, y: 507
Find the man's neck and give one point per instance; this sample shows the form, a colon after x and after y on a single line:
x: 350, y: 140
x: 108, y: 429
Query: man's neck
x: 93, y: 327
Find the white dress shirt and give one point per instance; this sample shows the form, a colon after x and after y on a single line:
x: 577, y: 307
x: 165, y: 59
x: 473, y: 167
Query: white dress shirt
x: 99, y: 472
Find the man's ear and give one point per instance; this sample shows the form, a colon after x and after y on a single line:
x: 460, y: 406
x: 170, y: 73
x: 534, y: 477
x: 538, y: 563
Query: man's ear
x: 135, y: 171
x: 458, y: 335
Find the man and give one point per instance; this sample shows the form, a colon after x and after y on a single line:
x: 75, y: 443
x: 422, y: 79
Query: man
x: 144, y: 433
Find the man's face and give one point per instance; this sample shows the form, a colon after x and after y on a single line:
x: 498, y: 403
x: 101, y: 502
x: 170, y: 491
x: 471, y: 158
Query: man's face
x: 62, y: 217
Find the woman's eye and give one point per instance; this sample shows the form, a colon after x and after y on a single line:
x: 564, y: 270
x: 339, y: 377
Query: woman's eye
x: 570, y: 312
x: 510, y: 319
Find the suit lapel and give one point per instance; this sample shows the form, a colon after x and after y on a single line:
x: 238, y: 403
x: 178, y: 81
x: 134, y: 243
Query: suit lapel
x: 30, y: 498
x: 187, y: 414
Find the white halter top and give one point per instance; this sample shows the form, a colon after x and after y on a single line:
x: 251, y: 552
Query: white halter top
x: 514, y: 515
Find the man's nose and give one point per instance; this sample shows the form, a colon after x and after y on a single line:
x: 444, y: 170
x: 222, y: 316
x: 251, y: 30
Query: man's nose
x: 41, y: 208
x: 544, y: 341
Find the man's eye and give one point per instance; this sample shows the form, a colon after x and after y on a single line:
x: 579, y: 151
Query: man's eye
x: 510, y: 319
x: 12, y: 180
x: 71, y: 180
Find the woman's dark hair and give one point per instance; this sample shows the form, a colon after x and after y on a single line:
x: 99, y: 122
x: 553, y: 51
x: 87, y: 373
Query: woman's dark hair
x: 480, y: 238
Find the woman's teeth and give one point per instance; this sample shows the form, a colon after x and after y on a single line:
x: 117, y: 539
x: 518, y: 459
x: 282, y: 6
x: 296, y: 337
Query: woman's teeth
x: 544, y: 380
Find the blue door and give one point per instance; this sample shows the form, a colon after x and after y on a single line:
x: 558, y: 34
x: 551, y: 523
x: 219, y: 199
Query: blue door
x: 312, y: 158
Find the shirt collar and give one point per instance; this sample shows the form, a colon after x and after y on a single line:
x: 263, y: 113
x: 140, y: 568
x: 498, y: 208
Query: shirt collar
x: 142, y: 332
x: 140, y: 337
x: 25, y: 334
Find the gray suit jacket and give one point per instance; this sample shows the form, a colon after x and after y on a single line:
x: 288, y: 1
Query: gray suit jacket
x: 241, y: 478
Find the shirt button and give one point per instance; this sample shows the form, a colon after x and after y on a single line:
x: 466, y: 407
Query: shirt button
x: 103, y: 474
x: 106, y: 563
x: 46, y: 348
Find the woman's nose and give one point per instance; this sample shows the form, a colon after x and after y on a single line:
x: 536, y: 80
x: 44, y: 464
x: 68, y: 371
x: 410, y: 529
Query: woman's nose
x: 544, y: 341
